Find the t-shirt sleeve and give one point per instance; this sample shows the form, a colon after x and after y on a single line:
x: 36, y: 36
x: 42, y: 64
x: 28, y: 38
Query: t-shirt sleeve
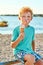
x: 33, y: 37
x: 14, y: 35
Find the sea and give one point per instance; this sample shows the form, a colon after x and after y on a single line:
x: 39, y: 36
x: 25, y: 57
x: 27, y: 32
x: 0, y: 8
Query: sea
x: 13, y: 21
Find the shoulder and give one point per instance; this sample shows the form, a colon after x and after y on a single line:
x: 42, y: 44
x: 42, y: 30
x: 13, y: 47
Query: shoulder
x: 32, y: 28
x: 16, y: 28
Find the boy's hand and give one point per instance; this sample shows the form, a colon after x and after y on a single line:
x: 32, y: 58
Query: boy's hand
x: 16, y: 42
x: 21, y: 36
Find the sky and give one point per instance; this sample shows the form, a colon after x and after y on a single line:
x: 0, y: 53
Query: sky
x: 13, y: 6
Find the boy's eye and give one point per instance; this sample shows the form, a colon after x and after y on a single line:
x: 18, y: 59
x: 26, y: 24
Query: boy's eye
x: 28, y: 16
x: 23, y: 16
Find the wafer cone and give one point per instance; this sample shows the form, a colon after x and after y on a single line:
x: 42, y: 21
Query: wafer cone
x: 22, y: 28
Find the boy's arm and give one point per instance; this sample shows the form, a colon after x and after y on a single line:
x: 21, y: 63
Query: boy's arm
x: 33, y: 45
x: 16, y: 42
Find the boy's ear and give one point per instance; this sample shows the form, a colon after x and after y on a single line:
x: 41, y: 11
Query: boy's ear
x: 31, y: 18
x: 19, y: 18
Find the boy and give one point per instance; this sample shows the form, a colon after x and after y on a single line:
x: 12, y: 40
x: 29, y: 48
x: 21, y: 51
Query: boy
x: 23, y: 40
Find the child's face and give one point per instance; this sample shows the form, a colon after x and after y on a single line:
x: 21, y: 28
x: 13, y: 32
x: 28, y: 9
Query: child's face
x: 26, y: 18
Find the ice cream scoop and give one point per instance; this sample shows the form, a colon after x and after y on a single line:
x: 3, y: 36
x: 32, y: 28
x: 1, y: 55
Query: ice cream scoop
x: 22, y: 28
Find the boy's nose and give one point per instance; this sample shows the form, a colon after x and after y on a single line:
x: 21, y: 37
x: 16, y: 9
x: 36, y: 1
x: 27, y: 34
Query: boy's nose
x: 26, y: 18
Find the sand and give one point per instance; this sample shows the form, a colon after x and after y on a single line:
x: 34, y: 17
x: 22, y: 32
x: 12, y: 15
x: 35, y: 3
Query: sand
x: 6, y: 53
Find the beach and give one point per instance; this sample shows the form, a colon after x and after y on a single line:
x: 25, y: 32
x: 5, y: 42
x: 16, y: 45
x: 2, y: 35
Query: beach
x: 6, y: 52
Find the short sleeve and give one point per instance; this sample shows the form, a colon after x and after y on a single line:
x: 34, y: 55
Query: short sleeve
x: 33, y: 37
x: 14, y: 35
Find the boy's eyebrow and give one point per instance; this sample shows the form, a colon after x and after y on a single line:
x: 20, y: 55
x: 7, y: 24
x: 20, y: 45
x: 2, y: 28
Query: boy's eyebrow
x: 24, y: 15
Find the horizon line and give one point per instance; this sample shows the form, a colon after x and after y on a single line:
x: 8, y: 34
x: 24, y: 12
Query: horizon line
x: 17, y: 14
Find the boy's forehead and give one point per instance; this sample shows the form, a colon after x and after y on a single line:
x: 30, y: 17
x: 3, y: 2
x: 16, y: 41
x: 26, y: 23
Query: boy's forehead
x: 26, y: 13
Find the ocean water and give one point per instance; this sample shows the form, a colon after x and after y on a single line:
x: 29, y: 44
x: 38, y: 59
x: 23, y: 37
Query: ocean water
x: 13, y: 21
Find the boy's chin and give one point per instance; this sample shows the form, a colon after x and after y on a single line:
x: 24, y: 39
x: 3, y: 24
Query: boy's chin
x: 26, y: 25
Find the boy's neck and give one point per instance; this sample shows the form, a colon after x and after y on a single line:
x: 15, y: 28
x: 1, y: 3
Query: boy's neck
x: 25, y: 25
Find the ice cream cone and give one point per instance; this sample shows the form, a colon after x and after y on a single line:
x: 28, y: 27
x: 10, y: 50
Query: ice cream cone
x: 22, y: 28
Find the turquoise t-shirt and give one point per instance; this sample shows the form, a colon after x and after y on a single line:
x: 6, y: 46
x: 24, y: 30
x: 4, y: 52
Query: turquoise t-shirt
x: 26, y: 43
